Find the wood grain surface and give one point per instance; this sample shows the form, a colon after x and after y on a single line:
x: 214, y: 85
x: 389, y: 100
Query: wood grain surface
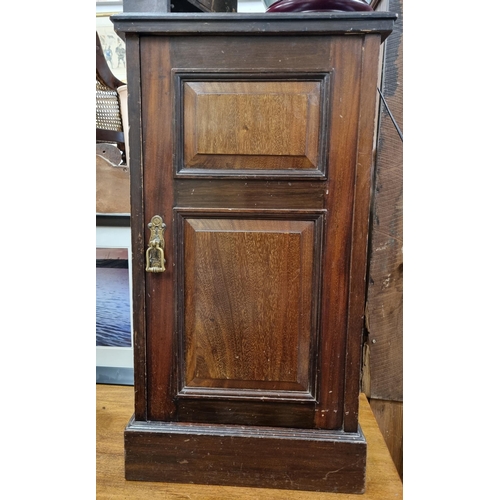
x: 114, y: 407
x: 384, y: 308
x: 344, y: 195
x: 389, y: 416
x: 112, y: 187
x: 237, y: 120
x: 383, y: 377
x: 247, y: 312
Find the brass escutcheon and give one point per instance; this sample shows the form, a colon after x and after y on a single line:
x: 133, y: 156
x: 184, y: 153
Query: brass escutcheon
x: 155, y: 254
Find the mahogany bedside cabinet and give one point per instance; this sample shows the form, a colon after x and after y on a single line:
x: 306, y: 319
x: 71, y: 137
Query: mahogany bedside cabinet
x: 251, y: 144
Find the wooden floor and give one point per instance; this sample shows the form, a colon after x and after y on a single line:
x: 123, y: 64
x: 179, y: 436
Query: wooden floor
x: 114, y: 407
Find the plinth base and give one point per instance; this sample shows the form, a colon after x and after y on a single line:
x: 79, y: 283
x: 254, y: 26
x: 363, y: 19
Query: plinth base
x: 234, y: 455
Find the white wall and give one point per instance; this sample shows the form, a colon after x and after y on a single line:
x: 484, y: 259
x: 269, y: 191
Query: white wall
x: 117, y: 6
x: 251, y: 6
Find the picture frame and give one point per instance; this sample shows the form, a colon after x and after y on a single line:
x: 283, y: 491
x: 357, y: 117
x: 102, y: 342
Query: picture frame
x: 114, y: 327
x: 112, y: 45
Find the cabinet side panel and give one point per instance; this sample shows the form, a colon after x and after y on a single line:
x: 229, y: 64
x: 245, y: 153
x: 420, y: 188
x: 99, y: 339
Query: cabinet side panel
x: 346, y: 54
x: 357, y: 290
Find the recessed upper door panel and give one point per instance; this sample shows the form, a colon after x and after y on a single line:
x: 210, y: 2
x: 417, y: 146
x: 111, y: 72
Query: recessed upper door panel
x: 233, y: 127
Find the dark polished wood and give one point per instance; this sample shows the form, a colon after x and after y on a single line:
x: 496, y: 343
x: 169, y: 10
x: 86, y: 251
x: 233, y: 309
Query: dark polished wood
x: 259, y: 194
x: 329, y: 23
x: 256, y: 150
x: 235, y: 456
x: 358, y: 259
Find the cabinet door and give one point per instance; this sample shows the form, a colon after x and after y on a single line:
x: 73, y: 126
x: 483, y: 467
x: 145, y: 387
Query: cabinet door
x: 251, y: 157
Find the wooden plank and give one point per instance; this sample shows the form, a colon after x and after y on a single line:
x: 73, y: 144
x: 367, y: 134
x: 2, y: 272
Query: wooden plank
x: 389, y: 416
x: 384, y: 309
x: 383, y: 353
x: 114, y: 407
x: 112, y: 187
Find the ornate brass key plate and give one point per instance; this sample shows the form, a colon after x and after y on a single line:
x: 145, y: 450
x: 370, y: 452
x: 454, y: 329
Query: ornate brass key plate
x: 155, y: 254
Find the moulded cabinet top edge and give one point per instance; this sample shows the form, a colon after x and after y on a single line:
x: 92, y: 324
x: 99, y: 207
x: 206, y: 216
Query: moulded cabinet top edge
x: 210, y: 23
